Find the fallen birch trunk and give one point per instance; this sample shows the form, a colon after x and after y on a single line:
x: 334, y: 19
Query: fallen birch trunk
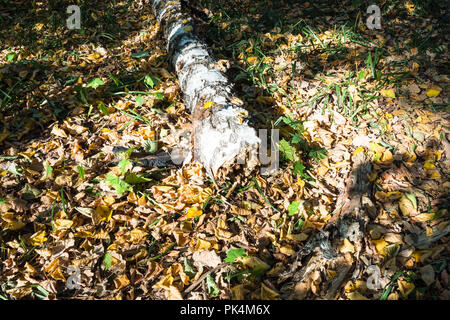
x: 220, y: 130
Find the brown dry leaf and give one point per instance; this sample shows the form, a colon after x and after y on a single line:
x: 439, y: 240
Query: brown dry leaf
x: 59, y: 132
x: 267, y: 293
x: 238, y: 292
x: 206, y: 259
x: 406, y: 206
x: 121, y: 281
x: 427, y: 274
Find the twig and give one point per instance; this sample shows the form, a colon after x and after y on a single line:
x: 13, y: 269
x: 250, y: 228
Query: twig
x: 203, y: 277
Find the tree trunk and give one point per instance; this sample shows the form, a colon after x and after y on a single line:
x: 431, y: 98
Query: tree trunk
x: 220, y: 131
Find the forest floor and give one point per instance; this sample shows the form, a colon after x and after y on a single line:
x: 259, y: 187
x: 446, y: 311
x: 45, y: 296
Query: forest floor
x: 78, y: 220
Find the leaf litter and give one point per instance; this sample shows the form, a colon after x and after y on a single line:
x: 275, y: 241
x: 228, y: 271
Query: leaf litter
x: 364, y: 149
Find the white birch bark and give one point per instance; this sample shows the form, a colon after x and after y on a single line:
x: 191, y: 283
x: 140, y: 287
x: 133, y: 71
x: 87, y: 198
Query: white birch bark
x: 220, y: 133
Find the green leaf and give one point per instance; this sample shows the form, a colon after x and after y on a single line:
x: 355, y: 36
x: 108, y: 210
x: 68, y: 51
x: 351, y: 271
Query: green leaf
x: 296, y: 138
x: 103, y: 109
x: 16, y: 169
x: 299, y: 224
x: 80, y: 171
x: 116, y: 81
x: 150, y: 146
x: 149, y: 81
x: 139, y: 100
x: 188, y: 269
x: 238, y: 275
x: 412, y: 197
x: 233, y: 254
x: 134, y: 178
x: 118, y: 184
x: 288, y: 150
x: 318, y: 154
x: 159, y: 95
x: 10, y: 57
x: 212, y: 286
x: 140, y: 54
x: 107, y: 260
x: 48, y: 170
x: 83, y: 94
x: 97, y: 82
x: 125, y: 165
x: 293, y: 208
x: 299, y: 168
x: 44, y: 292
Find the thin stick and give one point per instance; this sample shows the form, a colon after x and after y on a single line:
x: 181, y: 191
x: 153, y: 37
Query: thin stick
x: 203, y: 277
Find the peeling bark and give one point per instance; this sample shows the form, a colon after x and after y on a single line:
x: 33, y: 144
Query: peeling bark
x: 220, y: 133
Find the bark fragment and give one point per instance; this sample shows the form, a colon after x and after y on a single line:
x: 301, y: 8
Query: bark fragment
x: 220, y: 133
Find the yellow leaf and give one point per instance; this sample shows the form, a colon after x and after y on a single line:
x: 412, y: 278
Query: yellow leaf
x: 417, y: 255
x: 331, y: 274
x: 384, y: 196
x: 376, y: 148
x: 188, y: 28
x: 109, y: 200
x: 38, y: 26
x: 57, y: 275
x: 423, y: 217
x: 60, y: 224
x: 347, y: 247
x: 204, y: 245
x: 388, y: 93
x: 373, y: 176
x: 193, y: 212
x: 38, y: 238
x: 162, y: 189
x: 358, y: 150
x: 164, y: 283
x: 355, y: 295
x: 137, y: 235
x: 428, y: 165
x: 429, y: 231
x: 142, y: 201
x: 102, y: 213
x: 208, y: 104
x: 405, y: 287
x: 387, y: 157
x: 380, y: 245
x: 253, y: 262
x: 15, y: 225
x: 435, y: 175
x: 287, y: 250
x: 433, y: 92
x: 252, y: 60
x: 94, y: 56
x: 297, y: 237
